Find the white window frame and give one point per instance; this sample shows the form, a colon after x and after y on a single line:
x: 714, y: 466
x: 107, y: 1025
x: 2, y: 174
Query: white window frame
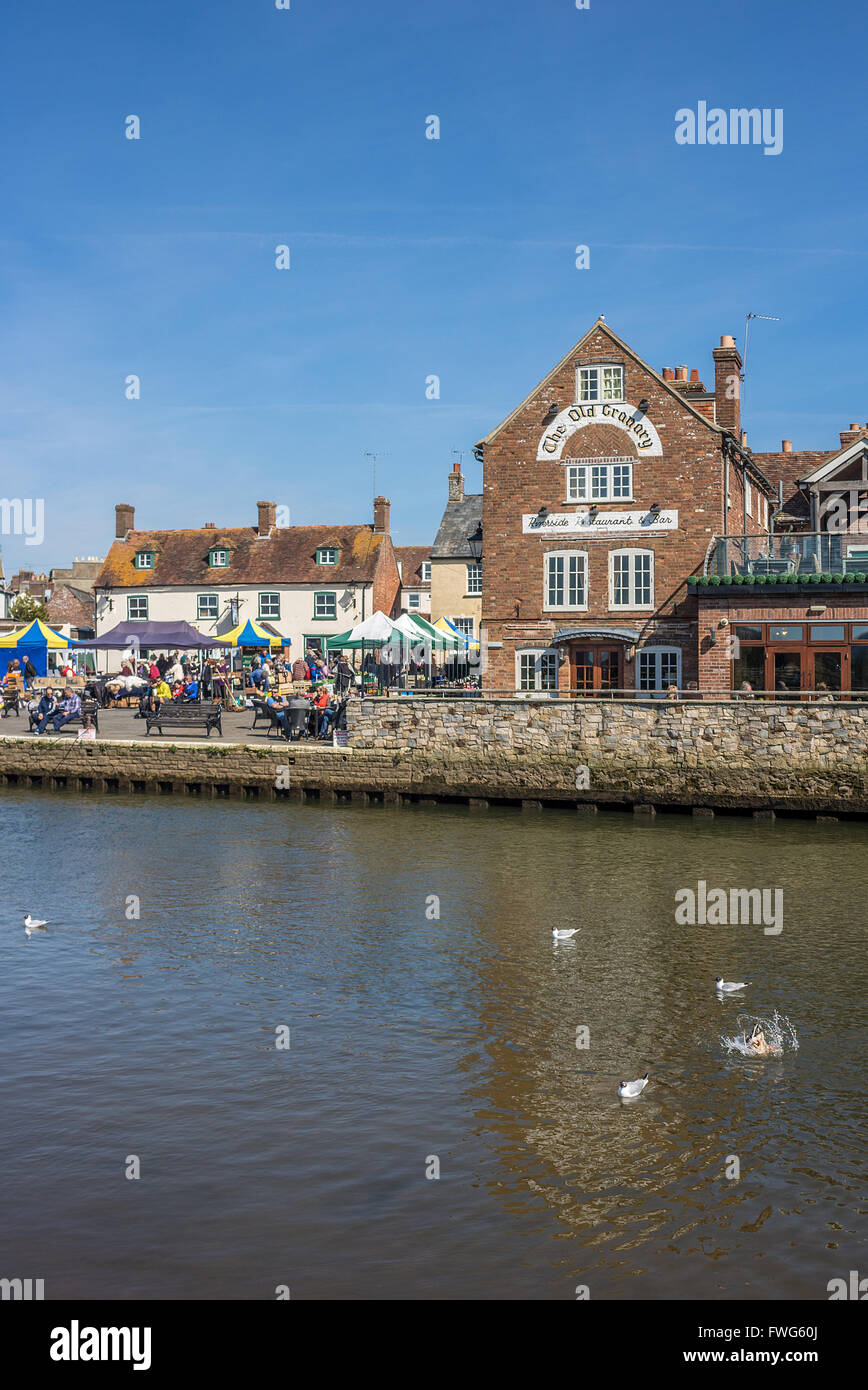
x: 633, y: 551
x: 457, y: 619
x: 425, y: 569
x: 476, y: 567
x: 658, y: 652
x: 565, y: 607
x: 581, y: 486
x: 537, y: 653
x: 214, y: 559
x: 145, y: 560
x: 325, y: 617
x: 207, y: 617
x: 269, y: 617
x: 137, y: 617
x: 326, y: 550
x: 592, y: 378
x: 414, y: 598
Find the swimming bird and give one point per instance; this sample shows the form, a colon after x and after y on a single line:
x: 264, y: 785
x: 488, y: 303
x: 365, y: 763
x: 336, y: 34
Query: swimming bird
x: 728, y: 986
x: 31, y: 923
x: 564, y: 933
x: 633, y: 1088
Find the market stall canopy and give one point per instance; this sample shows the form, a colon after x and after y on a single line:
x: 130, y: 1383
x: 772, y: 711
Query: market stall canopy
x: 443, y: 641
x: 250, y: 634
x: 469, y: 643
x: 377, y: 628
x: 35, y: 641
x: 153, y: 636
x: 39, y: 634
x: 375, y: 631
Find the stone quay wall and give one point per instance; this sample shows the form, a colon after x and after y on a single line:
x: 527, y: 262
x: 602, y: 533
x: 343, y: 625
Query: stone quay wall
x: 752, y: 756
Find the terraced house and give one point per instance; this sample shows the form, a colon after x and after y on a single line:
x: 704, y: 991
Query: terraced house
x: 605, y: 489
x: 303, y: 582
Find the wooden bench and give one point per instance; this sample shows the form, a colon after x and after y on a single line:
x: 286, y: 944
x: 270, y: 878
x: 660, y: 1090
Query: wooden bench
x: 185, y: 716
x: 87, y: 707
x: 11, y: 702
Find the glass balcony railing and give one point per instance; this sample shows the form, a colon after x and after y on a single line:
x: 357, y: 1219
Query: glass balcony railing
x: 798, y: 555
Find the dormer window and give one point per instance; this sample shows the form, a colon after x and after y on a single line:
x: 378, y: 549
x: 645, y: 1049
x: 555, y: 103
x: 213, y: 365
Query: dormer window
x: 145, y: 560
x: 425, y: 568
x: 218, y: 559
x: 327, y: 555
x: 600, y: 384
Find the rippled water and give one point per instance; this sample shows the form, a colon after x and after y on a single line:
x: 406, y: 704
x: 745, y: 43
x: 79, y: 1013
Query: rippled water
x: 414, y: 1037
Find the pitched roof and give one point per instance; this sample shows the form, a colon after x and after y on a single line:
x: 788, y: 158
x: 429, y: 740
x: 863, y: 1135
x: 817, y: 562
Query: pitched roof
x: 411, y: 558
x: 286, y: 556
x: 789, y: 469
x: 600, y: 326
x: 460, y: 520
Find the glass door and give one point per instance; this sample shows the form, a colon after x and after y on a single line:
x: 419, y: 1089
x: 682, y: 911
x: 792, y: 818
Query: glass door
x: 828, y: 672
x: 786, y: 673
x: 596, y: 668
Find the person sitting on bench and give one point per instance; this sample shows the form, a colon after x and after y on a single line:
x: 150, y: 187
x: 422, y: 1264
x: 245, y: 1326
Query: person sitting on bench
x: 68, y: 708
x: 42, y: 711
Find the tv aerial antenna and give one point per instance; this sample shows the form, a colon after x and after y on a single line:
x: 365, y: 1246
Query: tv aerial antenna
x: 770, y: 318
x: 380, y: 454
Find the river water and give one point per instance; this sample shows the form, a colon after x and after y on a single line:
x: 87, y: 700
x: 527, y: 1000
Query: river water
x: 418, y: 1040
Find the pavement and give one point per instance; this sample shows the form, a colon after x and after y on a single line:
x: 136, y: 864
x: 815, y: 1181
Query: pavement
x: 121, y: 725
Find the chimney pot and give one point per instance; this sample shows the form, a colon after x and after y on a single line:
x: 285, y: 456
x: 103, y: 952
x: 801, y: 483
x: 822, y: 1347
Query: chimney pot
x: 668, y: 374
x: 786, y: 446
x: 680, y: 373
x: 125, y: 519
x: 856, y: 426
x: 382, y: 507
x: 694, y: 373
x: 267, y: 515
x: 456, y: 484
x: 727, y: 384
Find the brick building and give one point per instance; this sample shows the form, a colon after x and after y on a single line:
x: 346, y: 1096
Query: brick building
x: 789, y: 612
x: 603, y: 491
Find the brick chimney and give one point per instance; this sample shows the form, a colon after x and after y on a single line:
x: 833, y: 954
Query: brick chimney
x: 125, y: 520
x: 668, y: 374
x: 267, y: 517
x: 456, y: 484
x: 850, y: 436
x: 727, y: 384
x: 382, y: 506
x: 681, y: 373
x: 786, y: 446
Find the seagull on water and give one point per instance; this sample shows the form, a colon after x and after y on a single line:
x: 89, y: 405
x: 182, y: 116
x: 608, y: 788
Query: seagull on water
x: 564, y: 933
x: 728, y: 986
x: 631, y: 1089
x: 32, y: 923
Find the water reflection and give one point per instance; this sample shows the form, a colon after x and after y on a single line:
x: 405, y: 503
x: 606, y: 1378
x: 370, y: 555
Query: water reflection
x: 412, y: 1036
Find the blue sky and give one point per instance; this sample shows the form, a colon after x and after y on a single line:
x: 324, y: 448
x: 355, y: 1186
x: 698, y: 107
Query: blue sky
x: 409, y: 257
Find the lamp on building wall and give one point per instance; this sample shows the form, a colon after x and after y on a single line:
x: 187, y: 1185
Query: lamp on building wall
x: 543, y: 513
x: 475, y: 543
x: 553, y: 410
x: 644, y: 405
x: 712, y: 637
x: 592, y: 511
x: 654, y: 509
